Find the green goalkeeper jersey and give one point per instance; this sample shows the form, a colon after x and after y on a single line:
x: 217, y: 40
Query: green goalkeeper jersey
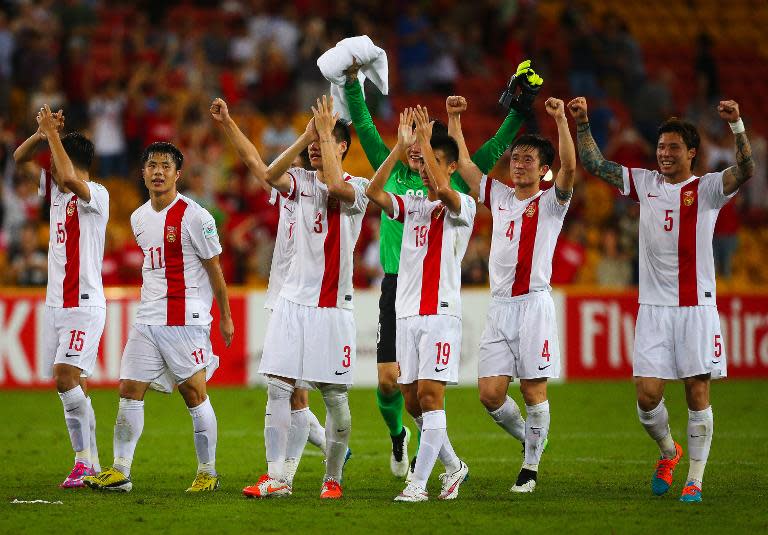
x: 403, y: 180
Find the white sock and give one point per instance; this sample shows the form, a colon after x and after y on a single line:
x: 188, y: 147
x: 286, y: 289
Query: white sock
x: 536, y: 430
x: 316, y: 431
x: 94, y: 448
x: 701, y: 425
x: 337, y: 430
x: 446, y: 454
x: 433, y: 434
x: 277, y: 423
x: 298, y: 433
x: 656, y: 423
x: 76, y: 417
x: 128, y: 428
x: 206, y: 434
x: 509, y: 418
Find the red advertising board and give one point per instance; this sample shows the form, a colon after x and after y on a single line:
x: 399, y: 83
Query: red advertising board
x: 600, y: 332
x: 21, y: 330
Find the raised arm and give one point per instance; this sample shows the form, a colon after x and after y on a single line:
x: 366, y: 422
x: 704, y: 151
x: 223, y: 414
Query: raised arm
x: 591, y: 157
x: 567, y: 173
x: 405, y: 138
x: 438, y: 177
x: 245, y: 149
x: 374, y: 147
x: 325, y: 120
x: 216, y: 277
x: 530, y: 82
x: 736, y: 175
x: 469, y: 171
x: 26, y: 151
x: 65, y: 175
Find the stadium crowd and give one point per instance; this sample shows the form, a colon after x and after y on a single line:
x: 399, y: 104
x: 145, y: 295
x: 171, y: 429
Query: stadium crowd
x: 129, y: 73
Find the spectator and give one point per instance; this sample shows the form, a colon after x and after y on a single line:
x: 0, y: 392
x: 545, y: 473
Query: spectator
x: 106, y: 113
x: 28, y: 262
x: 7, y: 44
x: 413, y: 51
x: 278, y: 135
x: 613, y: 268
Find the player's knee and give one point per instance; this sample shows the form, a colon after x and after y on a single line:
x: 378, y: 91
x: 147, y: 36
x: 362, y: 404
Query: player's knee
x: 430, y: 400
x: 299, y: 399
x: 491, y: 399
x: 388, y: 379
x: 336, y: 401
x: 130, y: 390
x: 66, y: 377
x: 279, y: 389
x: 648, y: 400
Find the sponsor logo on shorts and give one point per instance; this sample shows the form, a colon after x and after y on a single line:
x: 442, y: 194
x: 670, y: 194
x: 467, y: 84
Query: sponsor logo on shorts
x: 443, y: 304
x: 83, y: 296
x: 707, y: 294
x: 438, y: 370
x: 347, y: 297
x: 69, y: 355
x: 651, y: 195
x: 306, y: 194
x: 195, y: 315
x: 341, y: 373
x: 544, y: 367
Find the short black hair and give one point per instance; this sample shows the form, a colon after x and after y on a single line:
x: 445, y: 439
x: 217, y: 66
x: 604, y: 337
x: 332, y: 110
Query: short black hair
x: 448, y: 145
x: 687, y: 131
x: 438, y: 127
x: 341, y: 133
x: 542, y: 145
x: 79, y: 149
x: 163, y: 147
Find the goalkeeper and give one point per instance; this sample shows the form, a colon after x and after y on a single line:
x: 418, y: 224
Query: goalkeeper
x: 405, y: 180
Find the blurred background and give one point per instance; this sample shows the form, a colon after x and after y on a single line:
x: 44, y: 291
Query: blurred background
x: 129, y: 73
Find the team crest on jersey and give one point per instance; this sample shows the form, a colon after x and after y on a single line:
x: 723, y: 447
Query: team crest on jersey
x: 531, y: 210
x: 688, y: 198
x: 437, y: 213
x: 71, y: 207
x: 170, y: 234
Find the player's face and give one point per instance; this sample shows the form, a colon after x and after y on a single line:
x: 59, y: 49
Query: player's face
x: 413, y: 157
x: 316, y: 157
x: 525, y: 166
x: 673, y: 157
x: 441, y: 164
x: 160, y: 173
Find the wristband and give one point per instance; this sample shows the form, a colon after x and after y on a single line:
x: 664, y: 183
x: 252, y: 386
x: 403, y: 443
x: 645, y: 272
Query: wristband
x: 737, y: 127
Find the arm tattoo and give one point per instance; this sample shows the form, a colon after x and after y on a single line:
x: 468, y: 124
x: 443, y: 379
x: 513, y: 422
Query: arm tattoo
x: 593, y: 161
x: 745, y: 165
x: 563, y: 195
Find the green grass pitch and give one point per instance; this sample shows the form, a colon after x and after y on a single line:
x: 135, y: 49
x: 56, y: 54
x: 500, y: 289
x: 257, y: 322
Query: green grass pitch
x: 594, y: 478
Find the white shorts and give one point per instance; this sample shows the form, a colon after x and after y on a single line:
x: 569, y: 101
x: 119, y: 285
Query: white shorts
x: 678, y: 342
x: 428, y: 347
x: 167, y: 355
x: 520, y: 338
x: 71, y: 336
x: 311, y: 344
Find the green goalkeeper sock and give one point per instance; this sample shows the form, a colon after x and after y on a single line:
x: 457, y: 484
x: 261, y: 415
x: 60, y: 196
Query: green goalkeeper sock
x: 391, y: 408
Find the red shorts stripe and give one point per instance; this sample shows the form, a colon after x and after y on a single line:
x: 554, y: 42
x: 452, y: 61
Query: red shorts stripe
x: 329, y: 290
x: 530, y: 225
x: 174, y: 265
x: 71, y: 286
x: 688, y: 294
x: 430, y: 282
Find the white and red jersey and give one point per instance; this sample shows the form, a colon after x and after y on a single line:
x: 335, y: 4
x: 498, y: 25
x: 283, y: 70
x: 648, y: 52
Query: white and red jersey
x: 677, y: 222
x: 283, y: 251
x: 175, y: 289
x: 325, y: 234
x: 434, y: 242
x: 76, y: 248
x: 524, y: 237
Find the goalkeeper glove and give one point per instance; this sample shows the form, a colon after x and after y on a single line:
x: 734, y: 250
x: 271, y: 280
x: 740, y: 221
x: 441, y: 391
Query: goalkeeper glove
x: 529, y: 83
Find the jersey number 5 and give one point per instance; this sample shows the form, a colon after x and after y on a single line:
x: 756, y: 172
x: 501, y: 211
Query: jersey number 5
x: 668, y: 221
x: 60, y: 234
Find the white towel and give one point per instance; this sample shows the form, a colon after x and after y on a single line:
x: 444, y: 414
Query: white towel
x: 373, y: 65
